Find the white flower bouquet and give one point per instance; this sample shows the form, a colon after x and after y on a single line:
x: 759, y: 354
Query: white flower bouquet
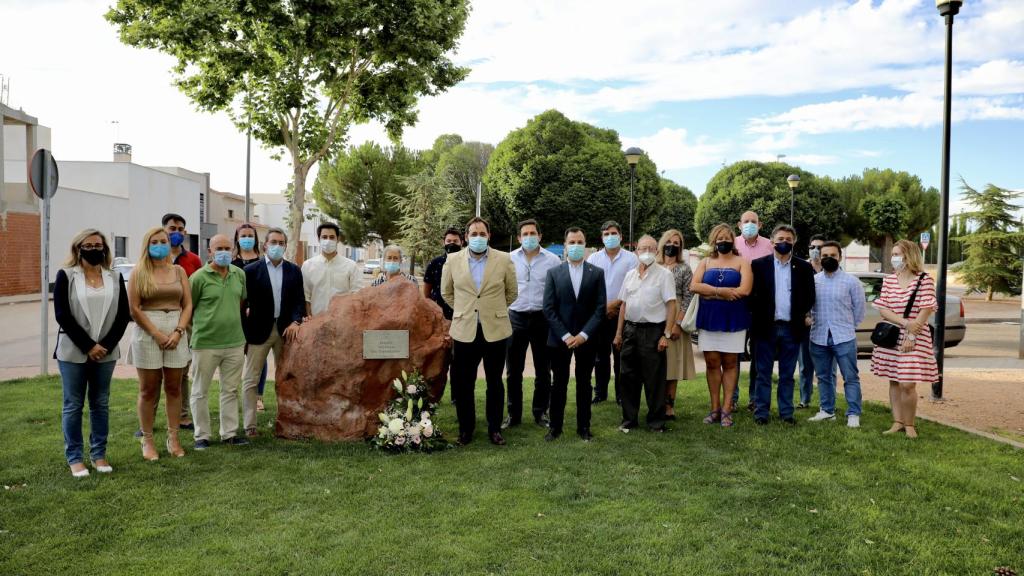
x: 406, y: 424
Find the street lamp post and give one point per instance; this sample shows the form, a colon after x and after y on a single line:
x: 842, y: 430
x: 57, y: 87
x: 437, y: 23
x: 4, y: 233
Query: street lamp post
x: 793, y: 181
x: 947, y: 9
x: 632, y: 157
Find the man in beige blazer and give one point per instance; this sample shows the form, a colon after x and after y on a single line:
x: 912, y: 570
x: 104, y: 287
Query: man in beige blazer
x: 479, y: 283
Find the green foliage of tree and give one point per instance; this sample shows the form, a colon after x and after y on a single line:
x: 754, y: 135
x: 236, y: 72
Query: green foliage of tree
x: 425, y: 213
x: 678, y: 208
x: 362, y: 188
x: 761, y: 187
x: 461, y: 167
x: 566, y: 173
x: 299, y: 73
x: 994, y: 248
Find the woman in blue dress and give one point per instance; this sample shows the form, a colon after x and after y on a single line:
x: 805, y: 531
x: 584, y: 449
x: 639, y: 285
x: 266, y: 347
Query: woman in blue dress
x: 723, y: 281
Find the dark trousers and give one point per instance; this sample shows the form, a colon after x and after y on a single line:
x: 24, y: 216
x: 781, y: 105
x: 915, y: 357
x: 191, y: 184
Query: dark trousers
x: 560, y: 360
x: 753, y: 374
x: 782, y: 346
x: 643, y: 369
x: 466, y: 357
x: 605, y: 355
x: 528, y: 329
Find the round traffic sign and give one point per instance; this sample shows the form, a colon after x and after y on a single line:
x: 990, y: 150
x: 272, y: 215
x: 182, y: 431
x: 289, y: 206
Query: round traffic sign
x: 42, y: 161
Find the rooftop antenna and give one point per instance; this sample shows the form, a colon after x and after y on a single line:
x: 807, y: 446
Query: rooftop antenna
x: 116, y: 127
x: 5, y: 89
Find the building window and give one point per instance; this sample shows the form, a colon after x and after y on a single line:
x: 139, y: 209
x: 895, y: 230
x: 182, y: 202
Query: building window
x: 231, y: 214
x: 120, y: 247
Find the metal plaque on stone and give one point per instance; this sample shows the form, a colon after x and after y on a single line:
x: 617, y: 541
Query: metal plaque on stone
x: 385, y: 344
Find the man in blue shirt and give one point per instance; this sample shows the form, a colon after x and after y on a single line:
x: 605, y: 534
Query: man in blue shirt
x: 529, y: 326
x: 615, y: 262
x: 838, y: 309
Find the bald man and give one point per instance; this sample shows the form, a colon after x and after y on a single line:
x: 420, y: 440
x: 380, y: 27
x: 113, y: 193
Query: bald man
x: 218, y: 292
x: 751, y: 246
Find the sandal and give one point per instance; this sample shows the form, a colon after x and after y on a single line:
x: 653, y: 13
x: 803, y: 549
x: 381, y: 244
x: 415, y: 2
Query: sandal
x: 713, y: 416
x: 148, y: 448
x: 910, y: 431
x: 259, y: 405
x: 897, y: 426
x: 726, y: 419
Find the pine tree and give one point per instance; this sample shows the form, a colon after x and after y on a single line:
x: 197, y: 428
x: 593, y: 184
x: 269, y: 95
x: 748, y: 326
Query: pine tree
x: 993, y: 249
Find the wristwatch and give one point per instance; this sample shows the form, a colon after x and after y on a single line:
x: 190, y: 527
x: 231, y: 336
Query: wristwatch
x: 180, y: 331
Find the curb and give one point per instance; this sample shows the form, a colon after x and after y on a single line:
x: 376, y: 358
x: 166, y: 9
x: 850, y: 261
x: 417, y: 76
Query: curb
x: 992, y: 320
x: 962, y: 428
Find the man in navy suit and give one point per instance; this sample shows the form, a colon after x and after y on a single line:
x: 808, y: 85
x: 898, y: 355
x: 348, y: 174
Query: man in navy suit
x: 781, y: 302
x: 574, y: 305
x: 277, y: 305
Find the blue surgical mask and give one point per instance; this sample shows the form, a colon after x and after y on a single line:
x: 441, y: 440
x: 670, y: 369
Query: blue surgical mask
x: 177, y: 238
x: 222, y: 258
x: 247, y: 243
x: 275, y: 252
x: 749, y: 230
x: 159, y: 251
x: 611, y: 241
x: 575, y: 252
x: 530, y: 243
x: 478, y: 244
x: 392, y: 267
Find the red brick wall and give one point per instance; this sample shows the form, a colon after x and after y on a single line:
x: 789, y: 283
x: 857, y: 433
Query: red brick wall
x: 19, y: 255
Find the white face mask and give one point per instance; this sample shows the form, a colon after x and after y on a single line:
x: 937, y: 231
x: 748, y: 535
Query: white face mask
x: 897, y: 262
x: 328, y: 246
x: 646, y: 258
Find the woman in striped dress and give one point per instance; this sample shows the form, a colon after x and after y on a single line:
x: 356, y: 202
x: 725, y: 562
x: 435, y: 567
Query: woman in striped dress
x: 913, y: 360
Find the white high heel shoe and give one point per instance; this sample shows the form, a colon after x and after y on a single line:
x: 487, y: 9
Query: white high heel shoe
x: 83, y: 473
x: 103, y: 469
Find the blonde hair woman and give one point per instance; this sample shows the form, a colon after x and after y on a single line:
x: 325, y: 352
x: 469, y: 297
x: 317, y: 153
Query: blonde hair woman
x: 161, y: 304
x: 680, y: 365
x: 91, y: 308
x: 913, y: 360
x: 723, y: 280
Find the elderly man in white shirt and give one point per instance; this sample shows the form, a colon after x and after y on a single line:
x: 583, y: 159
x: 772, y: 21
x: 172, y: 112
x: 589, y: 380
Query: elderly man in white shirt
x: 328, y: 273
x: 529, y: 326
x: 648, y: 298
x: 615, y: 262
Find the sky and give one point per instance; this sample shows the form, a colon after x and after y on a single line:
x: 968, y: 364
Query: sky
x: 835, y: 87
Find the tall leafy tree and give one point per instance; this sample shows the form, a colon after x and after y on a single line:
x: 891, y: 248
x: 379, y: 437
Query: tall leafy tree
x: 298, y: 73
x: 426, y: 212
x: 462, y: 167
x: 566, y: 173
x: 362, y: 188
x: 761, y: 187
x: 994, y: 248
x: 677, y: 211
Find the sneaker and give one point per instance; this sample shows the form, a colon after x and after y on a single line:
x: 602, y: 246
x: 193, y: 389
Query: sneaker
x: 853, y: 421
x: 236, y: 441
x: 821, y: 416
x: 201, y: 445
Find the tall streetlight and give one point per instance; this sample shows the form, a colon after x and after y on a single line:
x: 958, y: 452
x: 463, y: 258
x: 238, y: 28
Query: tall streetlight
x: 632, y: 157
x: 948, y: 9
x: 793, y: 181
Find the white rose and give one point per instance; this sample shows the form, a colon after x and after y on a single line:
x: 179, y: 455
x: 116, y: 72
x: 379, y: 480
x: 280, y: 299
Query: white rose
x: 425, y: 416
x: 410, y: 389
x: 428, y: 431
x: 395, y: 426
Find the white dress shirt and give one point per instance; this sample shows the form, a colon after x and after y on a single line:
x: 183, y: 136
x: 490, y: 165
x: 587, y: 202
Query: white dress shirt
x: 576, y: 277
x: 614, y: 269
x: 645, y: 298
x: 323, y: 278
x: 530, y: 276
x: 276, y: 273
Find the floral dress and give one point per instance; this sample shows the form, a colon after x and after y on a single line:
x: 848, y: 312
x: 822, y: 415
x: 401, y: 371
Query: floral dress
x: 917, y: 365
x: 679, y: 354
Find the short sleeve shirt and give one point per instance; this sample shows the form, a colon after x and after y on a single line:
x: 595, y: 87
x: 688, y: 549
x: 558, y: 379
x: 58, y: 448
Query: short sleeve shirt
x: 645, y: 298
x: 217, y: 308
x: 432, y: 276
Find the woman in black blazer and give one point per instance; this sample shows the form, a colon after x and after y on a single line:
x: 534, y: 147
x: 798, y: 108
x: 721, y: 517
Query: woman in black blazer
x: 91, y: 307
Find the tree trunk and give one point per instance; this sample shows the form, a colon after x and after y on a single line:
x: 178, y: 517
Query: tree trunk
x: 988, y: 297
x: 296, y: 209
x: 887, y: 254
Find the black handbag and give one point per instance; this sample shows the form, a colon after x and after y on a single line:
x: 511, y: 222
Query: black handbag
x: 886, y: 334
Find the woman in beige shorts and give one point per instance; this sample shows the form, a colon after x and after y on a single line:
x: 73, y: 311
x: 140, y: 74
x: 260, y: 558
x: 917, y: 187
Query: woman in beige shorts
x: 161, y: 305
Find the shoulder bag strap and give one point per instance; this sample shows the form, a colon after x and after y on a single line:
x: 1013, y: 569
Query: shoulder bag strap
x: 913, y: 296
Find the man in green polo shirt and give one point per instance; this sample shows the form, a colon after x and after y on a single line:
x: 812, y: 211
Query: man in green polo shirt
x: 218, y: 291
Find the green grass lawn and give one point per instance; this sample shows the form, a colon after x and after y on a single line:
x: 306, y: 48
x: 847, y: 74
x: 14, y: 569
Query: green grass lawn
x: 817, y: 499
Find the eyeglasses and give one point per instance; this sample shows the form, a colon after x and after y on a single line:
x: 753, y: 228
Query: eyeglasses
x: 91, y: 247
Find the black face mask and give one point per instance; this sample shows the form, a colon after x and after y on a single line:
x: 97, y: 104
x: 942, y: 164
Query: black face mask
x: 723, y: 247
x: 93, y: 257
x: 671, y: 250
x: 829, y: 264
x: 783, y: 248
x: 451, y: 248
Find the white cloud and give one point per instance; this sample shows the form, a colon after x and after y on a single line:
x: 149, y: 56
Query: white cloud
x: 671, y: 149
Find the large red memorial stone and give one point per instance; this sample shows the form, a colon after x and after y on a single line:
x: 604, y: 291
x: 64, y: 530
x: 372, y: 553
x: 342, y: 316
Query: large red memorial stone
x: 326, y: 390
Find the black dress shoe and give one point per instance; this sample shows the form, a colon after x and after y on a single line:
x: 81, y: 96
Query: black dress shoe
x: 761, y: 421
x: 551, y: 436
x: 464, y: 439
x: 202, y: 444
x: 497, y: 439
x: 791, y: 421
x: 236, y: 441
x: 586, y: 436
x: 189, y: 426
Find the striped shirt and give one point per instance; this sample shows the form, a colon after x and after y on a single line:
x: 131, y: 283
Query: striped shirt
x: 838, y: 307
x: 917, y: 365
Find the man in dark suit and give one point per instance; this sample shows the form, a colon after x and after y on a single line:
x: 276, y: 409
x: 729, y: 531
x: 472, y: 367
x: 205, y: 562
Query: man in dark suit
x: 276, y: 305
x: 574, y: 306
x: 781, y: 301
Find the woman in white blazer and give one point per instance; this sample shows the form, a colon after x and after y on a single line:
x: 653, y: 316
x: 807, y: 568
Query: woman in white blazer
x: 91, y: 307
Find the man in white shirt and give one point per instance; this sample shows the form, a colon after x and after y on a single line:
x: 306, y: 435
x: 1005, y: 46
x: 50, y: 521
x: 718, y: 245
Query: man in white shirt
x: 328, y: 273
x: 648, y: 297
x: 529, y: 327
x: 615, y: 262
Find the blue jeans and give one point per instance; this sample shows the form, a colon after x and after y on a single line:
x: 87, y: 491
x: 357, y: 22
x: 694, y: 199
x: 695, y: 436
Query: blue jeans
x: 782, y: 347
x: 845, y: 354
x: 807, y: 368
x: 92, y: 378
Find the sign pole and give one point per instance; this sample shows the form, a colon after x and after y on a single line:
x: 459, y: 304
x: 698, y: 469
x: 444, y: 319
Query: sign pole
x: 44, y: 268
